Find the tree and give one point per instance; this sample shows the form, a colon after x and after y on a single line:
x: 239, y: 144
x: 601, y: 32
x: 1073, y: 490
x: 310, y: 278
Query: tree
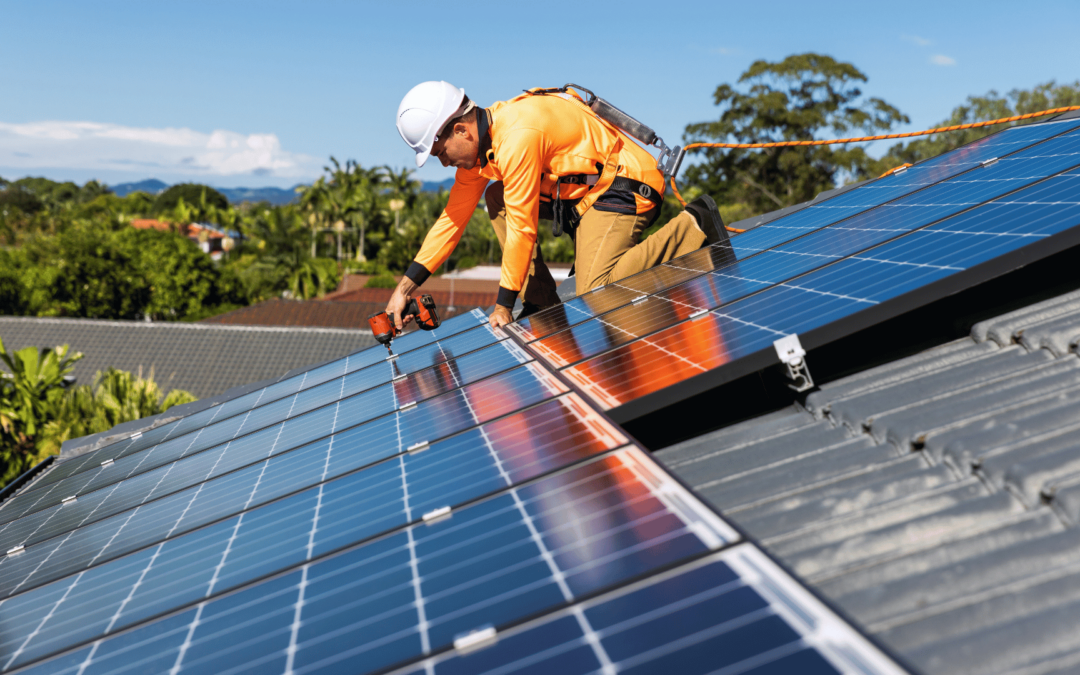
x: 31, y: 392
x: 82, y: 272
x: 800, y: 98
x: 978, y: 109
x: 199, y: 197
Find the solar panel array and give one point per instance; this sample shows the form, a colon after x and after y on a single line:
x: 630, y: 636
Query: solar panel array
x: 716, y: 313
x: 374, y: 513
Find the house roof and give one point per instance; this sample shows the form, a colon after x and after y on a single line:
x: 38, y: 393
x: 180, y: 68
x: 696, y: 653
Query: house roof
x: 934, y: 499
x: 203, y: 359
x: 346, y: 315
x: 355, y: 283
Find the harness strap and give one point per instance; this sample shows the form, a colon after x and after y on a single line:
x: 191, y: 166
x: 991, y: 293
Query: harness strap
x: 637, y: 187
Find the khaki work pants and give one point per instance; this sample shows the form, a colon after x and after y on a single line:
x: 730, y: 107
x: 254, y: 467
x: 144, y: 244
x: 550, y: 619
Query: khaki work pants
x: 607, y: 247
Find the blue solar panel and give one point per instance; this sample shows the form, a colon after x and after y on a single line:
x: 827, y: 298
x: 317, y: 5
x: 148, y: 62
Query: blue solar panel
x: 525, y: 550
x: 811, y: 251
x: 385, y: 436
x: 333, y: 406
x: 358, y: 371
x: 847, y: 286
x: 799, y: 223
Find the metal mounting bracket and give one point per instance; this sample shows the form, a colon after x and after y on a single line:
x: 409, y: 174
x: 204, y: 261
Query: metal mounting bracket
x: 792, y: 355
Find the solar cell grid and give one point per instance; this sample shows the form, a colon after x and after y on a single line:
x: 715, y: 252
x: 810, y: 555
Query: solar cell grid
x: 834, y: 292
x: 390, y: 434
x: 896, y: 185
x: 522, y: 551
x: 302, y: 392
x: 811, y: 251
x: 731, y: 612
x: 266, y: 429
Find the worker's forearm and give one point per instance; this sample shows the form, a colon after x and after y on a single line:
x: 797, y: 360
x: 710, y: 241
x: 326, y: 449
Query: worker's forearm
x: 407, y: 287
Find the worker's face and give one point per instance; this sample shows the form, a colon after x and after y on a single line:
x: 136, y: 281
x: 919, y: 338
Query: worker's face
x: 458, y: 146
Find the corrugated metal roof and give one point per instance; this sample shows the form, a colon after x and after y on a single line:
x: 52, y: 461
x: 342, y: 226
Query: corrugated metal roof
x: 935, y: 499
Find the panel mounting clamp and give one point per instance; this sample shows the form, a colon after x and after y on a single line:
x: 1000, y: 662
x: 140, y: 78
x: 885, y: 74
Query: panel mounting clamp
x: 792, y: 355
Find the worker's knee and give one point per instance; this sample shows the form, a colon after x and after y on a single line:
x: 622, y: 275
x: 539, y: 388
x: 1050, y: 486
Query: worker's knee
x: 493, y: 198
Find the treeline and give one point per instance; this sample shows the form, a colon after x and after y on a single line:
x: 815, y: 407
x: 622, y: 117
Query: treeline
x: 40, y: 409
x: 71, y: 251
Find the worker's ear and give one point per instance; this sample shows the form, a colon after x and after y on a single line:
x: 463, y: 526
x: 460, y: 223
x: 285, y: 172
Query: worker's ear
x: 461, y: 130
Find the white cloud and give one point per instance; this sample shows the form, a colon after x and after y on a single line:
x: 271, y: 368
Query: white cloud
x: 942, y: 60
x: 921, y: 41
x: 99, y: 146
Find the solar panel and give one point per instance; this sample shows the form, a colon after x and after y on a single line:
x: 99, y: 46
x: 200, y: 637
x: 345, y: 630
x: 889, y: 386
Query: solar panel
x: 802, y: 221
x: 810, y: 251
x: 458, y: 336
x: 722, y: 324
x: 521, y: 551
x: 349, y: 399
x: 389, y: 434
x: 730, y: 612
x: 357, y: 496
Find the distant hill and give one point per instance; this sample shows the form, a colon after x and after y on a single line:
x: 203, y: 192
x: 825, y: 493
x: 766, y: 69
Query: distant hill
x: 150, y: 186
x: 154, y: 186
x: 431, y: 186
x: 276, y: 196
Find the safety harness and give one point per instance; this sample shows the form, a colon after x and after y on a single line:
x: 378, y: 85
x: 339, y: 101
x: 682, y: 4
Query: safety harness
x: 566, y: 214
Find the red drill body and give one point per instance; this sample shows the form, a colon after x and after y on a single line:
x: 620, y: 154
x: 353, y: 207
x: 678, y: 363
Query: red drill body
x: 382, y: 324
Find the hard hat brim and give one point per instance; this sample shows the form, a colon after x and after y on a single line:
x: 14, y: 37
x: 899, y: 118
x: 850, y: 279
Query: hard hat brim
x: 421, y: 157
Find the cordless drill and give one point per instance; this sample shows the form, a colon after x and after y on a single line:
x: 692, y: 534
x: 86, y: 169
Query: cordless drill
x: 384, y: 329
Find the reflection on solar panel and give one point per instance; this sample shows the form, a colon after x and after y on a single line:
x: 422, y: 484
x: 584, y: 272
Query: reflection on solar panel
x: 390, y: 513
x: 829, y: 269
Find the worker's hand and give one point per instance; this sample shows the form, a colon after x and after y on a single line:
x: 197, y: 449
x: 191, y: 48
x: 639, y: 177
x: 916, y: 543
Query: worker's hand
x: 500, y: 317
x: 398, y: 301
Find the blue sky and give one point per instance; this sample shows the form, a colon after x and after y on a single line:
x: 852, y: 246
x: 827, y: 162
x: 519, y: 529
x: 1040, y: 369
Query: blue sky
x: 236, y: 93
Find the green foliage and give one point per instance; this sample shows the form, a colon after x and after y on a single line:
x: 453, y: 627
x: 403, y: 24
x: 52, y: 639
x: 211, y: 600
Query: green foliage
x: 313, y: 277
x: 116, y: 397
x: 31, y: 392
x: 800, y: 98
x: 16, y: 197
x: 83, y: 272
x: 203, y: 198
x: 978, y: 109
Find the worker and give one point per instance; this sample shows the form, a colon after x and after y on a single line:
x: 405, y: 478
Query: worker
x: 551, y: 157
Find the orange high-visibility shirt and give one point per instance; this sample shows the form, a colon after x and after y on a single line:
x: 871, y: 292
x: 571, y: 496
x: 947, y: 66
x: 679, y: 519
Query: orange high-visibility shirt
x: 534, y: 139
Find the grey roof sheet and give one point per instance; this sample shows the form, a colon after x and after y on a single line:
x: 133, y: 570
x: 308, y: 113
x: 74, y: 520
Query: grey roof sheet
x: 935, y: 499
x: 204, y: 359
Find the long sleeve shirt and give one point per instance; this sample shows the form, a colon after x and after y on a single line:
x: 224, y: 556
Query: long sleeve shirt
x: 534, y: 139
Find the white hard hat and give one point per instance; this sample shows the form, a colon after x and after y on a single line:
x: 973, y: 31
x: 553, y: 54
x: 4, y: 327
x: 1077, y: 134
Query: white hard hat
x: 424, y: 111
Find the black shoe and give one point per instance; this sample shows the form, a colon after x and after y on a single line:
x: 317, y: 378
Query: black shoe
x: 708, y: 219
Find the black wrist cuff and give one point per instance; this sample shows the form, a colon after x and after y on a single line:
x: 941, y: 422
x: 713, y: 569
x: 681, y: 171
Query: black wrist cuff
x: 417, y: 273
x: 507, y: 297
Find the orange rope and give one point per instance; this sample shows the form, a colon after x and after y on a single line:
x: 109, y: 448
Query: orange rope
x: 883, y: 137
